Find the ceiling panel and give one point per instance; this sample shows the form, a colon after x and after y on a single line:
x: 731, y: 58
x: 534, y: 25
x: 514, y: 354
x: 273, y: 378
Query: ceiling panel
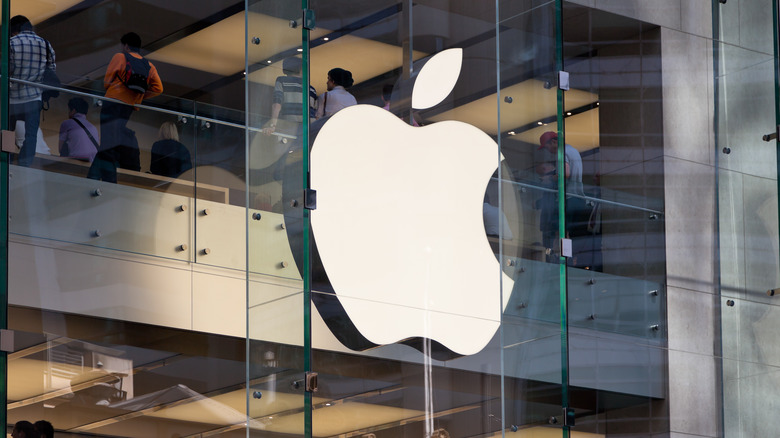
x: 39, y: 10
x: 531, y: 103
x: 219, y: 48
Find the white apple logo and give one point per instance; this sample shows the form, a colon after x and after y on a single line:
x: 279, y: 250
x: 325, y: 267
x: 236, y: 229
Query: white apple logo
x: 399, y: 223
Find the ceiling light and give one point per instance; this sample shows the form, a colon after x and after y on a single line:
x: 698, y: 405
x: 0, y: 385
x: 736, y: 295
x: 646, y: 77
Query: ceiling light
x: 568, y: 114
x: 326, y: 39
x: 539, y: 123
x: 511, y: 133
x: 300, y: 50
x: 269, y: 61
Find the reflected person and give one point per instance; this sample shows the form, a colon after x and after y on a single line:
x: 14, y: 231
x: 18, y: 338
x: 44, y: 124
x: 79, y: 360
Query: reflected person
x: 337, y: 97
x: 29, y: 56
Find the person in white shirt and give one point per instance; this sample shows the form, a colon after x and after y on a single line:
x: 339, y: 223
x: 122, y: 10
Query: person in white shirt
x: 337, y: 97
x: 40, y: 146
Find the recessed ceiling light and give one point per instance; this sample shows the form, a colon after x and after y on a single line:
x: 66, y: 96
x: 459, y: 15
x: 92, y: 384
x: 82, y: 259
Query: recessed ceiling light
x: 511, y: 133
x: 568, y: 114
x: 326, y: 39
x: 539, y: 123
x: 300, y: 50
x: 269, y: 61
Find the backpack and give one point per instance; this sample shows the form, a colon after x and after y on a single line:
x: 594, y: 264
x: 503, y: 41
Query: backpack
x: 136, y: 73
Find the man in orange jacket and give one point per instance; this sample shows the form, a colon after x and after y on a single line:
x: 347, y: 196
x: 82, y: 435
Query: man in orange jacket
x: 118, y: 146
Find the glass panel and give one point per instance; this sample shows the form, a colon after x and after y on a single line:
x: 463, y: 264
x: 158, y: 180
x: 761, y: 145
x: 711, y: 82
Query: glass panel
x: 528, y: 110
x: 148, y: 211
x: 745, y: 51
x: 615, y: 219
x: 275, y: 223
x: 128, y: 301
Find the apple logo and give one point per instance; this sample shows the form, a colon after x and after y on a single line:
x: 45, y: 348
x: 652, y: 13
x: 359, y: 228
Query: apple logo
x: 399, y: 225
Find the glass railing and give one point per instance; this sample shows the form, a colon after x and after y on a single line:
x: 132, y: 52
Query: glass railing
x: 182, y: 196
x: 201, y: 215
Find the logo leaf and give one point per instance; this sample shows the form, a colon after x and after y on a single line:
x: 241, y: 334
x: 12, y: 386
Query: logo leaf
x: 437, y: 78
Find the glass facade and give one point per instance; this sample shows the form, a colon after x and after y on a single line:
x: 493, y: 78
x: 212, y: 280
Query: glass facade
x: 385, y: 218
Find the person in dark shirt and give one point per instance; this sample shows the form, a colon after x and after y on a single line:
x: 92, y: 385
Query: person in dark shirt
x: 169, y: 157
x: 29, y: 56
x: 288, y: 98
x: 44, y: 428
x: 24, y: 429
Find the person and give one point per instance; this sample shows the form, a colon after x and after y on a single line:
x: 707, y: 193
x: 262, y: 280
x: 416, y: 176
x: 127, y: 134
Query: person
x: 24, y: 429
x: 337, y: 97
x: 41, y: 147
x: 78, y: 137
x: 118, y: 145
x: 44, y: 428
x: 577, y: 212
x: 29, y: 56
x: 572, y: 162
x: 288, y: 98
x: 387, y: 94
x: 169, y: 157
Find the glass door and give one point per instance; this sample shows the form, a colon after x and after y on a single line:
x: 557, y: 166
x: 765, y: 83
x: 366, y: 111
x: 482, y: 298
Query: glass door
x: 745, y: 54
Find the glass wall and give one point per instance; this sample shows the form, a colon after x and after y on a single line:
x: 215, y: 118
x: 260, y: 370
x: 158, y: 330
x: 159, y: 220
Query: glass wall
x: 407, y: 200
x: 745, y: 51
x: 153, y: 290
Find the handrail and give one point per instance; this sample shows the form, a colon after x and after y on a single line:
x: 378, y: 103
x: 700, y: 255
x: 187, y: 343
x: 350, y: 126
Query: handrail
x: 584, y: 197
x: 149, y: 107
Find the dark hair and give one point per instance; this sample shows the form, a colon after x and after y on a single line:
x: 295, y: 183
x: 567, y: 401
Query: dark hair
x: 292, y: 65
x: 387, y: 92
x: 26, y: 428
x: 19, y: 23
x: 42, y: 426
x: 342, y: 77
x: 81, y: 106
x: 131, y: 39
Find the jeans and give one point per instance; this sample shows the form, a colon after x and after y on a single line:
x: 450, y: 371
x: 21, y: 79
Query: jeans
x: 30, y: 114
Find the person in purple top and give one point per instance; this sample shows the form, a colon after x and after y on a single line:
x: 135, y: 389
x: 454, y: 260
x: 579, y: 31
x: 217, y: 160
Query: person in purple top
x: 78, y: 137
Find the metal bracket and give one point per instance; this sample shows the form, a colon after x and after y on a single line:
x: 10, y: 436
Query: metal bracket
x: 563, y: 80
x: 772, y: 136
x: 310, y: 199
x: 566, y: 249
x: 311, y: 381
x: 309, y: 21
x: 7, y: 340
x: 568, y: 417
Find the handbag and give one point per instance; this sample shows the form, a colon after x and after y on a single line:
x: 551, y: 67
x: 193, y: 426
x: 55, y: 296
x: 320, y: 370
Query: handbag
x: 50, y: 79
